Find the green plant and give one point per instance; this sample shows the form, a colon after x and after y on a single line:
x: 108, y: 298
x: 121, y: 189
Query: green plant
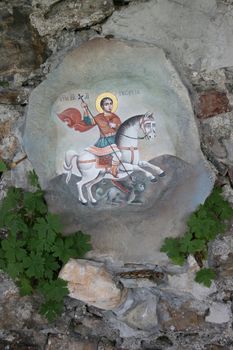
x: 33, y: 249
x: 3, y: 166
x: 203, y: 226
x: 205, y: 276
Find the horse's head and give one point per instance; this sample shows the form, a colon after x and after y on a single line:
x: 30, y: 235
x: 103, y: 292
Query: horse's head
x: 148, y: 126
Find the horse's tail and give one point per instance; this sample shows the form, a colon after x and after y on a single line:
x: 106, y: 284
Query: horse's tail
x: 68, y: 163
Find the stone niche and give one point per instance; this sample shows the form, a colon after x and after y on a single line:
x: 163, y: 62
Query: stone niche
x: 115, y: 108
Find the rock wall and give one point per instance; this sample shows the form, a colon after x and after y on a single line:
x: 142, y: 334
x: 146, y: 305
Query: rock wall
x: 170, y: 311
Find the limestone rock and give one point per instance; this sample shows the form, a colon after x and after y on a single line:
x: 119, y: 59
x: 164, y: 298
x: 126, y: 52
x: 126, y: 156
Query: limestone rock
x: 21, y: 49
x: 189, y: 31
x: 19, y: 312
x: 91, y: 283
x: 185, y: 283
x: 143, y: 316
x: 10, y: 121
x: 13, y: 96
x: 179, y: 318
x: 230, y: 174
x: 212, y: 103
x: 219, y: 313
x: 49, y: 18
x: 217, y: 141
x: 61, y: 342
x: 139, y: 311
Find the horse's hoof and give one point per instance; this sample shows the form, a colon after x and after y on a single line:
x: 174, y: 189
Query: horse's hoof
x: 94, y: 203
x: 154, y: 180
x: 162, y: 174
x: 83, y: 203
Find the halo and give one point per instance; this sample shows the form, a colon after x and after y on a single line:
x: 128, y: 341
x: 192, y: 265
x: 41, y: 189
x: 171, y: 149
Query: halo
x: 104, y: 95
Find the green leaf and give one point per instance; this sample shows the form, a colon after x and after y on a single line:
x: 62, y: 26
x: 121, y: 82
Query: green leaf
x: 74, y: 246
x: 10, y: 205
x: 15, y: 224
x: 178, y: 259
x: 34, y: 203
x: 81, y: 243
x: 14, y: 269
x: 51, y: 267
x: 185, y: 242
x: 205, y: 276
x: 226, y: 212
x: 63, y: 250
x: 10, y: 246
x: 3, y: 166
x: 54, y: 223
x: 33, y: 179
x: 25, y: 286
x: 51, y: 309
x: 196, y: 245
x: 44, y: 236
x: 34, y: 265
x: 171, y: 246
x: 2, y: 261
x: 54, y: 290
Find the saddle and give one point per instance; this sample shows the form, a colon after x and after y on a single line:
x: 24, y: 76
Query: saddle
x: 104, y: 161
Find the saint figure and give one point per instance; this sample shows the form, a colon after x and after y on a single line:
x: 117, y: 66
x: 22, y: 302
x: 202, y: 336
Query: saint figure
x: 108, y: 124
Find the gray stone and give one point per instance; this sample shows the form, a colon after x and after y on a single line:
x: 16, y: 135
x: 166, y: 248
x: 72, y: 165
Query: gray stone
x: 183, y: 318
x: 219, y: 313
x: 216, y: 137
x: 61, y: 342
x: 10, y: 121
x: 228, y: 193
x: 21, y: 49
x: 63, y: 42
x: 143, y: 316
x: 197, y: 34
x: 19, y: 312
x: 117, y: 219
x: 53, y: 16
x: 185, y: 282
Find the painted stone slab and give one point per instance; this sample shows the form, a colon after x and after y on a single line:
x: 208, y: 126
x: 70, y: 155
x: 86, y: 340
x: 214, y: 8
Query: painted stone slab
x: 112, y: 136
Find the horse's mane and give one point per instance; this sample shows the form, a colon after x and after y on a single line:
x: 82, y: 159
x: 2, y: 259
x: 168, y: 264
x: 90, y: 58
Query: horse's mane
x: 125, y: 125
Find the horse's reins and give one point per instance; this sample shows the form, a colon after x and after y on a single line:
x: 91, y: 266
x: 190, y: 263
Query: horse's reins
x: 131, y: 148
x: 135, y: 138
x: 143, y: 129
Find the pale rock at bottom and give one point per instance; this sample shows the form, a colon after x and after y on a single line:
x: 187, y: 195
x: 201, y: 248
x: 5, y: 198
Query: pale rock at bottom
x: 91, y: 283
x: 219, y: 313
x: 185, y: 282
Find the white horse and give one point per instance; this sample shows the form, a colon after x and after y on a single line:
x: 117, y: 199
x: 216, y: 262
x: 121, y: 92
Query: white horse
x: 84, y: 164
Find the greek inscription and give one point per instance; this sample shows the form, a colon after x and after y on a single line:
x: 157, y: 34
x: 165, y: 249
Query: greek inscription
x: 131, y: 92
x: 73, y: 97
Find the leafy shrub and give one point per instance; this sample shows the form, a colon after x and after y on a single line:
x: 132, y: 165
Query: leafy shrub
x: 203, y: 226
x: 33, y: 249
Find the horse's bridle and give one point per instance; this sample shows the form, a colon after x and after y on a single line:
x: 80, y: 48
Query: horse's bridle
x: 142, y: 123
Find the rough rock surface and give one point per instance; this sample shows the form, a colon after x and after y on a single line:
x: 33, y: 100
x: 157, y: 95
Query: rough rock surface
x: 10, y: 136
x: 196, y: 34
x: 92, y: 283
x: 212, y: 103
x: 53, y: 16
x: 21, y: 49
